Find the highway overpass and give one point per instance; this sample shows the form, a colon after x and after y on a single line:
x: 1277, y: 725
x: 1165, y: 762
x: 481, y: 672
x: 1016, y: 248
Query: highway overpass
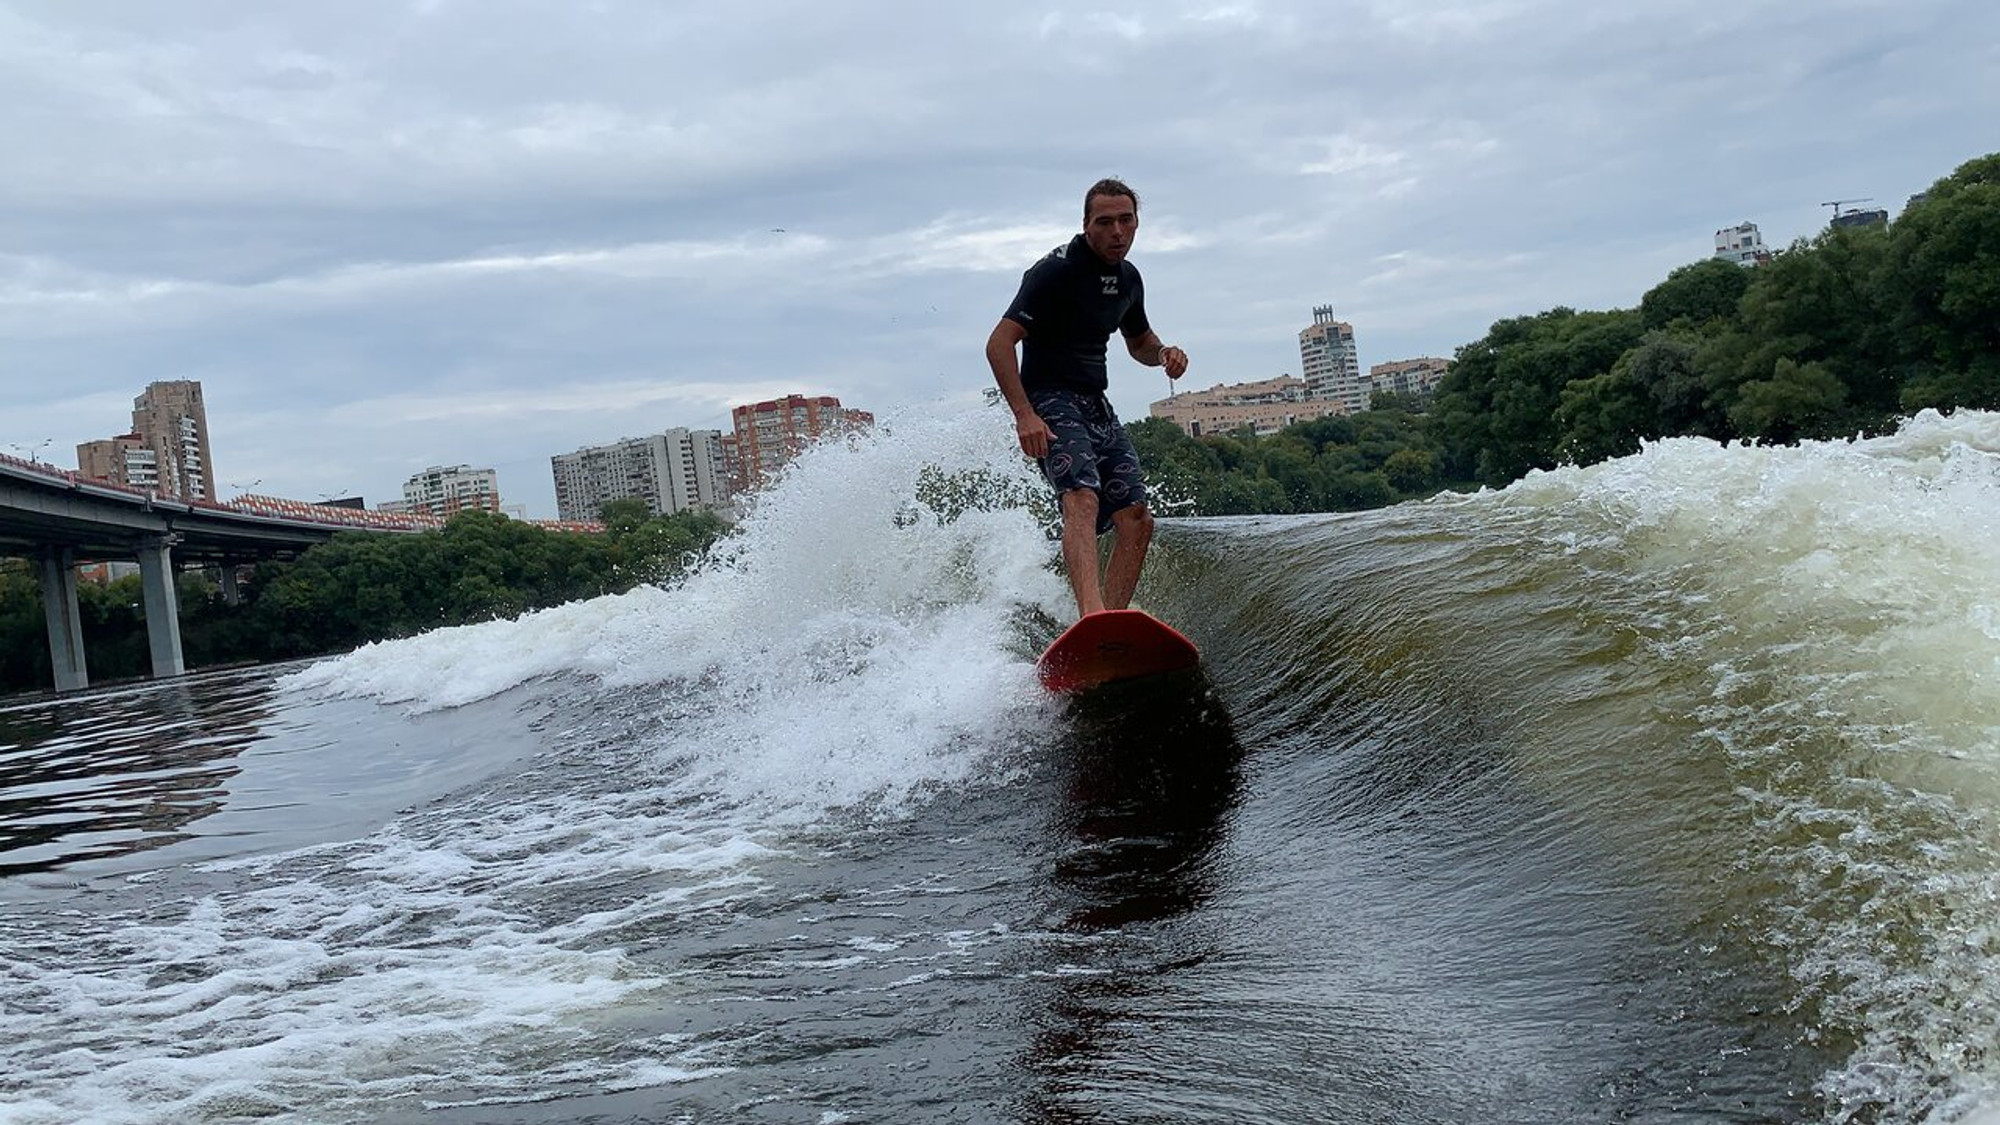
x: 60, y: 520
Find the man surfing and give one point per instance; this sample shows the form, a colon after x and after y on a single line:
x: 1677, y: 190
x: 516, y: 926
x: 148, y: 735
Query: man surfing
x: 1068, y: 306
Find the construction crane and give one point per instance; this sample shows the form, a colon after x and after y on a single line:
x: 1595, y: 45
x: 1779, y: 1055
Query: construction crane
x: 1837, y: 204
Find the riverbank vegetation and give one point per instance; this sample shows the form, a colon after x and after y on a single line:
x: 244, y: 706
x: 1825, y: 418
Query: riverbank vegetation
x: 358, y: 587
x: 1837, y: 336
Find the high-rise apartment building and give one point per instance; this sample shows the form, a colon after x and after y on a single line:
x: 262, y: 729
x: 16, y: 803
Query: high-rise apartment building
x: 1330, y: 364
x: 695, y: 476
x: 767, y: 435
x: 671, y: 472
x: 167, y: 450
x: 1742, y: 244
x: 444, y: 490
x: 170, y: 418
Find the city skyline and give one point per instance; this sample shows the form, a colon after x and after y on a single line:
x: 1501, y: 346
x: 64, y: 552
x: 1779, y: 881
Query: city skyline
x: 381, y: 256
x: 693, y: 468
x: 1330, y: 381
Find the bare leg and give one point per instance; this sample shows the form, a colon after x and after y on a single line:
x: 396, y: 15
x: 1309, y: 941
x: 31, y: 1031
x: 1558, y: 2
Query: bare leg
x: 1134, y: 527
x: 1079, y: 512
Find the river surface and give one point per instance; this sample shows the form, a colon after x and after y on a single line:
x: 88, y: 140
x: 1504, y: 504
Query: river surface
x: 1659, y: 791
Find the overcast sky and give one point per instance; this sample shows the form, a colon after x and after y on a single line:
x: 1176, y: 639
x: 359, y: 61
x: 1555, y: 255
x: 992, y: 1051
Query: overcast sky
x: 386, y: 235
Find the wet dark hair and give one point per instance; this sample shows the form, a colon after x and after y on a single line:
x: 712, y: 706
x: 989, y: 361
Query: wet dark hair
x: 1109, y: 186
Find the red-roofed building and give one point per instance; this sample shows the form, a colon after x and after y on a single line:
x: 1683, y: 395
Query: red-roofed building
x: 767, y: 435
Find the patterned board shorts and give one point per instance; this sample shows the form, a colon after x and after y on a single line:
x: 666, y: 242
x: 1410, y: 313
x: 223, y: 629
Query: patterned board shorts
x: 1090, y: 450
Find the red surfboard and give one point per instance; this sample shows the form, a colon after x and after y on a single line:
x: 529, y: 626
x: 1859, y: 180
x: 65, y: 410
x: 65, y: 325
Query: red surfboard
x: 1116, y: 644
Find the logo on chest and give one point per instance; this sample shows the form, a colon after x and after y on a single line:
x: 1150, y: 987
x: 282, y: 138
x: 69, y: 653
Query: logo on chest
x: 1110, y: 285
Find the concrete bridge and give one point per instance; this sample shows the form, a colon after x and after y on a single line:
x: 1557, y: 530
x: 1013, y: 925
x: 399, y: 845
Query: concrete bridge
x: 60, y: 519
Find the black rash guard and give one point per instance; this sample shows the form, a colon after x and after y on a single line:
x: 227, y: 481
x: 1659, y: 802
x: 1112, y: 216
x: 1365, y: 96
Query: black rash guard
x: 1068, y: 305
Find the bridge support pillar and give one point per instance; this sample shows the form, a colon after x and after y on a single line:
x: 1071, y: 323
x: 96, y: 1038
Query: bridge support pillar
x: 163, y: 609
x: 232, y: 591
x: 65, y: 623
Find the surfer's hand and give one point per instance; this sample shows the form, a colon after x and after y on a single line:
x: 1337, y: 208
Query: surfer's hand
x: 1034, y: 433
x: 1174, y: 360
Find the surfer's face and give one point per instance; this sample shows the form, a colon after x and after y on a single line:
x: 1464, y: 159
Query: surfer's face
x: 1110, y: 225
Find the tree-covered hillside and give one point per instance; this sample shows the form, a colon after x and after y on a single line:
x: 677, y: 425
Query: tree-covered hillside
x: 1836, y: 336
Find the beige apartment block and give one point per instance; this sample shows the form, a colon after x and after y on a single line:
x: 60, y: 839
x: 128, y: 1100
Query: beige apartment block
x: 125, y: 459
x: 1418, y: 376
x: 1270, y: 405
x: 1266, y: 406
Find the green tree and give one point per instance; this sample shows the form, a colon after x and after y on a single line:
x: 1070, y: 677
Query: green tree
x: 1825, y: 303
x: 665, y: 547
x: 1411, y: 471
x: 1176, y: 465
x: 1496, y: 411
x: 1241, y: 494
x: 1653, y: 390
x: 1288, y: 459
x: 1342, y: 491
x: 1330, y: 429
x: 1799, y: 400
x: 1695, y: 295
x: 1944, y: 275
x: 1663, y: 368
x: 1834, y: 336
x: 24, y: 646
x: 1604, y: 416
x: 355, y: 588
x: 621, y: 517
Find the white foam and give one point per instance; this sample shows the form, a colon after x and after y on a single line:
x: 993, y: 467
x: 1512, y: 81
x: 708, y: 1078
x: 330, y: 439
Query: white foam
x: 854, y: 640
x: 1872, y: 561
x: 388, y: 975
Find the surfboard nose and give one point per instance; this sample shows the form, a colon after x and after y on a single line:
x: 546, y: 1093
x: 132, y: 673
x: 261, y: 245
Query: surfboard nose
x: 1116, y: 644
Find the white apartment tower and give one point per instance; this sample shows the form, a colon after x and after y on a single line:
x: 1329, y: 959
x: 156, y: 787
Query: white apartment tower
x: 1330, y: 364
x: 671, y: 472
x: 443, y: 490
x: 1742, y: 244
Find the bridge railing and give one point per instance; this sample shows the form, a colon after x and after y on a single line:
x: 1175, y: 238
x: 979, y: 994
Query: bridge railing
x: 278, y: 507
